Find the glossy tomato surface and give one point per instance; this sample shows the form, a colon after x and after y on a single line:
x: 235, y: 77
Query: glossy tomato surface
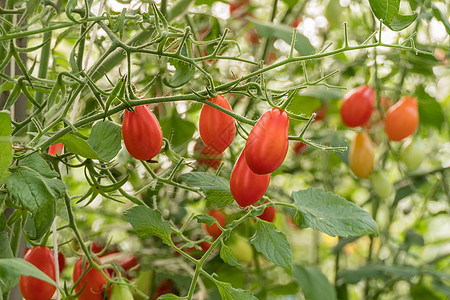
x: 357, y: 106
x: 142, y: 133
x: 361, y: 155
x: 268, y: 142
x: 214, y: 230
x: 217, y: 129
x: 268, y: 214
x: 402, y: 119
x: 93, y: 281
x: 246, y: 186
x: 56, y: 149
x: 33, y: 288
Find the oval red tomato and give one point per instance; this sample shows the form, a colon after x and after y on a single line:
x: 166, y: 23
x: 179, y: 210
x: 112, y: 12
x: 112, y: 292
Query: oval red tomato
x: 361, y: 155
x: 268, y: 142
x: 217, y: 129
x: 268, y: 214
x: 402, y: 119
x: 93, y: 281
x: 246, y: 186
x: 214, y: 230
x: 56, y: 149
x: 61, y: 262
x: 207, y: 156
x: 357, y: 106
x: 142, y: 133
x: 33, y: 288
x: 299, y: 147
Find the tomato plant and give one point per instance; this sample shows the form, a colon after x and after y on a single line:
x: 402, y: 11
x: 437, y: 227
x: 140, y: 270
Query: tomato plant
x: 246, y: 186
x: 361, y: 155
x: 121, y: 292
x: 217, y: 129
x: 402, y: 119
x: 268, y: 142
x: 357, y: 106
x: 33, y: 288
x: 242, y: 249
x: 413, y: 154
x: 142, y: 133
x: 91, y: 283
x: 214, y: 230
x: 268, y: 214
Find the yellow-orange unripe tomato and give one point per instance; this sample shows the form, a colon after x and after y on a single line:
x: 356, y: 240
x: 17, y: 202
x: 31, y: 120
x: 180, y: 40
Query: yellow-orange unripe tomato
x: 402, y: 119
x: 361, y: 156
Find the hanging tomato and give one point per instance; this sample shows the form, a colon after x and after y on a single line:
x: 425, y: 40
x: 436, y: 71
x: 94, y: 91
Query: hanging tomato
x: 361, y: 156
x: 402, y: 119
x: 357, y: 106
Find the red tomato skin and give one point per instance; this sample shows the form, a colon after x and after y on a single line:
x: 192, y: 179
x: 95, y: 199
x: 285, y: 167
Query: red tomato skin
x: 165, y: 287
x: 129, y: 262
x: 207, y: 156
x: 205, y: 246
x: 321, y: 113
x: 402, y: 119
x: 217, y: 129
x: 357, y: 106
x: 55, y: 149
x: 214, y: 230
x: 299, y: 147
x: 94, y: 281
x: 246, y: 186
x: 61, y: 262
x: 33, y: 288
x: 268, y: 214
x: 142, y: 133
x: 268, y: 142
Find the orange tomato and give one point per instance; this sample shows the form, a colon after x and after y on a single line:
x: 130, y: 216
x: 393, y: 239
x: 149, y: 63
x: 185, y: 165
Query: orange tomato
x: 361, y: 156
x: 402, y: 119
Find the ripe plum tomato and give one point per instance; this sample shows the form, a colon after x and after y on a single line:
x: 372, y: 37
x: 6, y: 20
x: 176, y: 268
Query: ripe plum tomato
x: 33, y: 288
x: 299, y: 148
x: 402, y: 119
x: 246, y: 186
x: 381, y: 184
x: 357, y: 106
x: 207, y: 156
x: 361, y: 156
x: 61, y: 262
x: 268, y: 214
x: 93, y: 281
x: 165, y: 287
x: 413, y: 154
x: 141, y: 133
x: 268, y: 142
x: 217, y: 129
x: 214, y: 230
x: 55, y: 149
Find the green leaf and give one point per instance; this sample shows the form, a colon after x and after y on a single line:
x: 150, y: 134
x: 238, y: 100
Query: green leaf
x: 290, y: 3
x: 230, y: 293
x: 5, y: 249
x: 169, y: 297
x: 183, y: 73
x: 179, y: 129
x: 105, y: 139
x: 290, y: 288
x: 401, y: 22
x: 148, y: 222
x: 284, y: 32
x: 205, y: 219
x: 219, y: 198
x: 206, y: 181
x: 314, y: 283
x: 430, y: 111
x: 6, y: 152
x: 378, y: 271
x: 226, y: 254
x: 332, y: 214
x: 272, y: 244
x: 12, y: 268
x: 35, y: 185
x: 387, y: 10
x: 78, y: 146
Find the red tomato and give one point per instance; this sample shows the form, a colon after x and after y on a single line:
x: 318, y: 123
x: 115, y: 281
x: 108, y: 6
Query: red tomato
x: 165, y: 287
x: 61, y: 262
x: 93, y: 281
x: 268, y: 142
x: 56, y: 149
x: 205, y: 246
x: 357, y: 106
x: 246, y: 186
x: 299, y: 147
x: 321, y: 113
x: 402, y: 119
x: 33, y: 288
x: 268, y: 214
x: 217, y: 129
x: 129, y: 262
x: 96, y: 248
x: 361, y: 155
x: 141, y: 133
x: 207, y: 156
x: 214, y: 230
x: 296, y: 22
